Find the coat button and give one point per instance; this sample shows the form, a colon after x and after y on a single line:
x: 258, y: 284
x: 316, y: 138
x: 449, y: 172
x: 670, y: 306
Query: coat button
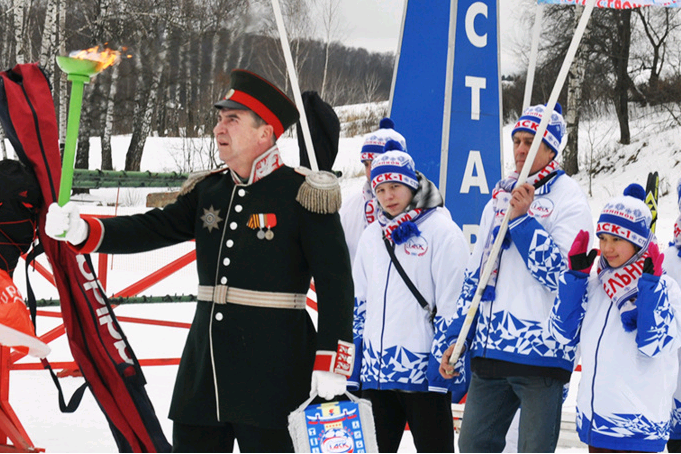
x: 218, y: 316
x: 230, y: 243
x: 242, y: 192
x: 223, y: 280
x: 238, y: 208
x: 226, y: 261
x: 233, y: 225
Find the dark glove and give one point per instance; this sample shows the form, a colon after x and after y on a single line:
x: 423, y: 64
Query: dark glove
x: 653, y: 263
x: 579, y: 259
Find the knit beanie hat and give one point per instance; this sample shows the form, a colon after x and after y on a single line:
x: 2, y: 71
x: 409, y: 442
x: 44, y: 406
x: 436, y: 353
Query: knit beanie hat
x: 529, y: 122
x: 374, y: 142
x: 394, y: 166
x: 627, y: 217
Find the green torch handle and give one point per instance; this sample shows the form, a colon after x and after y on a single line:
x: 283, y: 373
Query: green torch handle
x: 72, y: 126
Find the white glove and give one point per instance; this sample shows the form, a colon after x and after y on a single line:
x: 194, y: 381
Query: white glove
x: 327, y: 384
x: 66, y: 219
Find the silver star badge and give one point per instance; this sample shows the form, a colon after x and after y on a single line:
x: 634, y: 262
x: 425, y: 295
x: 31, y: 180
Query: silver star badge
x: 211, y: 218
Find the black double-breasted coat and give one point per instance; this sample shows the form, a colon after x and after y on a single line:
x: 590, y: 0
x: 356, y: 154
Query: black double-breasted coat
x: 241, y: 363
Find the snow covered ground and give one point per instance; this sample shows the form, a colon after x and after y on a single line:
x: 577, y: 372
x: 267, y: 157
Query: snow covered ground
x: 655, y: 146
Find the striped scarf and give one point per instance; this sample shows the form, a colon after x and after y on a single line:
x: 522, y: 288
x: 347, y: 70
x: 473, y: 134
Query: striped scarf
x: 501, y: 196
x: 403, y: 226
x: 621, y: 285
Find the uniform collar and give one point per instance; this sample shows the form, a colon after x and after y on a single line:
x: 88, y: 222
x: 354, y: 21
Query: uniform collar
x: 263, y: 165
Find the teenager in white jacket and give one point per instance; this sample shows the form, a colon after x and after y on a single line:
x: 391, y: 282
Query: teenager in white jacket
x: 397, y: 367
x: 359, y: 210
x: 627, y: 321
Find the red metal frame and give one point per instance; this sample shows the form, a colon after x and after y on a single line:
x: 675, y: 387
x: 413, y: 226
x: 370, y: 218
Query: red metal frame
x: 10, y: 426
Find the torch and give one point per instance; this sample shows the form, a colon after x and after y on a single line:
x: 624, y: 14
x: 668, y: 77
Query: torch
x: 80, y: 66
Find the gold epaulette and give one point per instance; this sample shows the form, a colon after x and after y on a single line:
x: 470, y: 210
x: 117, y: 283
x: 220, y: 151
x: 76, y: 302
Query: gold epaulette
x: 195, y: 177
x: 320, y: 192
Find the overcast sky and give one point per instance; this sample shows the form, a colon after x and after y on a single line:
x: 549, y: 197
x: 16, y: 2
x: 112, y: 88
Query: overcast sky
x: 375, y: 25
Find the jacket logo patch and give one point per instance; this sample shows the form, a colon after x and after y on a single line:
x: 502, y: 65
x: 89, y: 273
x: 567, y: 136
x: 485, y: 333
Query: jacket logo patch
x: 416, y: 245
x: 541, y: 208
x: 211, y: 219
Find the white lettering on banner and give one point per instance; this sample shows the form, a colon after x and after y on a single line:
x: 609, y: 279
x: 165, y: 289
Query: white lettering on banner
x: 103, y: 311
x: 475, y: 84
x: 474, y: 165
x: 10, y: 294
x: 470, y: 231
x: 474, y: 10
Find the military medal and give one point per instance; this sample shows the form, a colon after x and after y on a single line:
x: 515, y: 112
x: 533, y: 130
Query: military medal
x: 262, y: 221
x: 211, y: 219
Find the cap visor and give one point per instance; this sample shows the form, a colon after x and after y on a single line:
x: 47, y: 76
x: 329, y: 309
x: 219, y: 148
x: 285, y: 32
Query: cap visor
x: 229, y: 104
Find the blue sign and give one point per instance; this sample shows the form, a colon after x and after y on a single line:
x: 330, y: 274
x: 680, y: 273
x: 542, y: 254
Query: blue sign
x: 468, y: 164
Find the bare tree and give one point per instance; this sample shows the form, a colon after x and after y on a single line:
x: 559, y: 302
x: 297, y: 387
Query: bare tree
x: 620, y: 62
x: 61, y: 28
x: 574, y: 99
x: 658, y: 24
x: 20, y: 42
x: 48, y: 45
x: 107, y: 155
x: 299, y: 28
x: 370, y: 84
x: 149, y: 73
x: 332, y: 27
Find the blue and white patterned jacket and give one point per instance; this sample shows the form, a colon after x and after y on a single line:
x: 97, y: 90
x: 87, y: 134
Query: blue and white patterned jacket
x: 628, y: 378
x: 672, y: 266
x: 512, y: 327
x: 391, y: 330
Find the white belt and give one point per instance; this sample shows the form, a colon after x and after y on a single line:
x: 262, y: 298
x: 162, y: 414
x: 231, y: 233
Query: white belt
x: 222, y: 294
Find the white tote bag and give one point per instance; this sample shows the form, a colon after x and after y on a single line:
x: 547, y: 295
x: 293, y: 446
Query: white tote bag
x: 333, y: 427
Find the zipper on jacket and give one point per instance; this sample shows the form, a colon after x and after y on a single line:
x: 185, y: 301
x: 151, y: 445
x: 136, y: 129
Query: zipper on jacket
x: 385, y: 303
x: 593, y: 379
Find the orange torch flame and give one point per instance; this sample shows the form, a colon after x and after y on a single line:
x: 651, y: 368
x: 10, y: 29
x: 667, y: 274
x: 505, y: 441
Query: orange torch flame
x: 105, y: 57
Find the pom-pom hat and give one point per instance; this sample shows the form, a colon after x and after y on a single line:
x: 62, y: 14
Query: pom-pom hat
x: 555, y: 130
x: 394, y: 166
x: 374, y: 142
x: 627, y: 217
x: 248, y: 90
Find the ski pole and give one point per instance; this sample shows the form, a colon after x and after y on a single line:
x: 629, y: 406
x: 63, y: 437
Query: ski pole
x: 283, y: 37
x: 496, y: 247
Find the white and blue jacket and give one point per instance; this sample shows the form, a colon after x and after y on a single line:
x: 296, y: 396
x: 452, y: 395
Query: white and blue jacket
x: 628, y: 378
x: 512, y: 326
x: 672, y: 266
x: 354, y: 218
x: 391, y: 329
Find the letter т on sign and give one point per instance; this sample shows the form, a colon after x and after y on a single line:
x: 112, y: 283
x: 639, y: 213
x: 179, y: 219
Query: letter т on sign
x: 446, y: 101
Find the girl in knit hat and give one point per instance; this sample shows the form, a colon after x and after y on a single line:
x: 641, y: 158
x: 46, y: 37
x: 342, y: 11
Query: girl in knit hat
x: 627, y: 319
x: 359, y: 210
x: 672, y: 266
x: 394, y: 334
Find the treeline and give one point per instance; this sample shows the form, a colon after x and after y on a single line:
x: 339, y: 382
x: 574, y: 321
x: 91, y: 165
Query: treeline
x: 625, y: 56
x: 179, y: 54
x: 177, y: 59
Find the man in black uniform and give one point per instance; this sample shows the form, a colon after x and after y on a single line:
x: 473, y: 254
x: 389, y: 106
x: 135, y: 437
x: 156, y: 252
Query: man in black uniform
x: 262, y: 230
